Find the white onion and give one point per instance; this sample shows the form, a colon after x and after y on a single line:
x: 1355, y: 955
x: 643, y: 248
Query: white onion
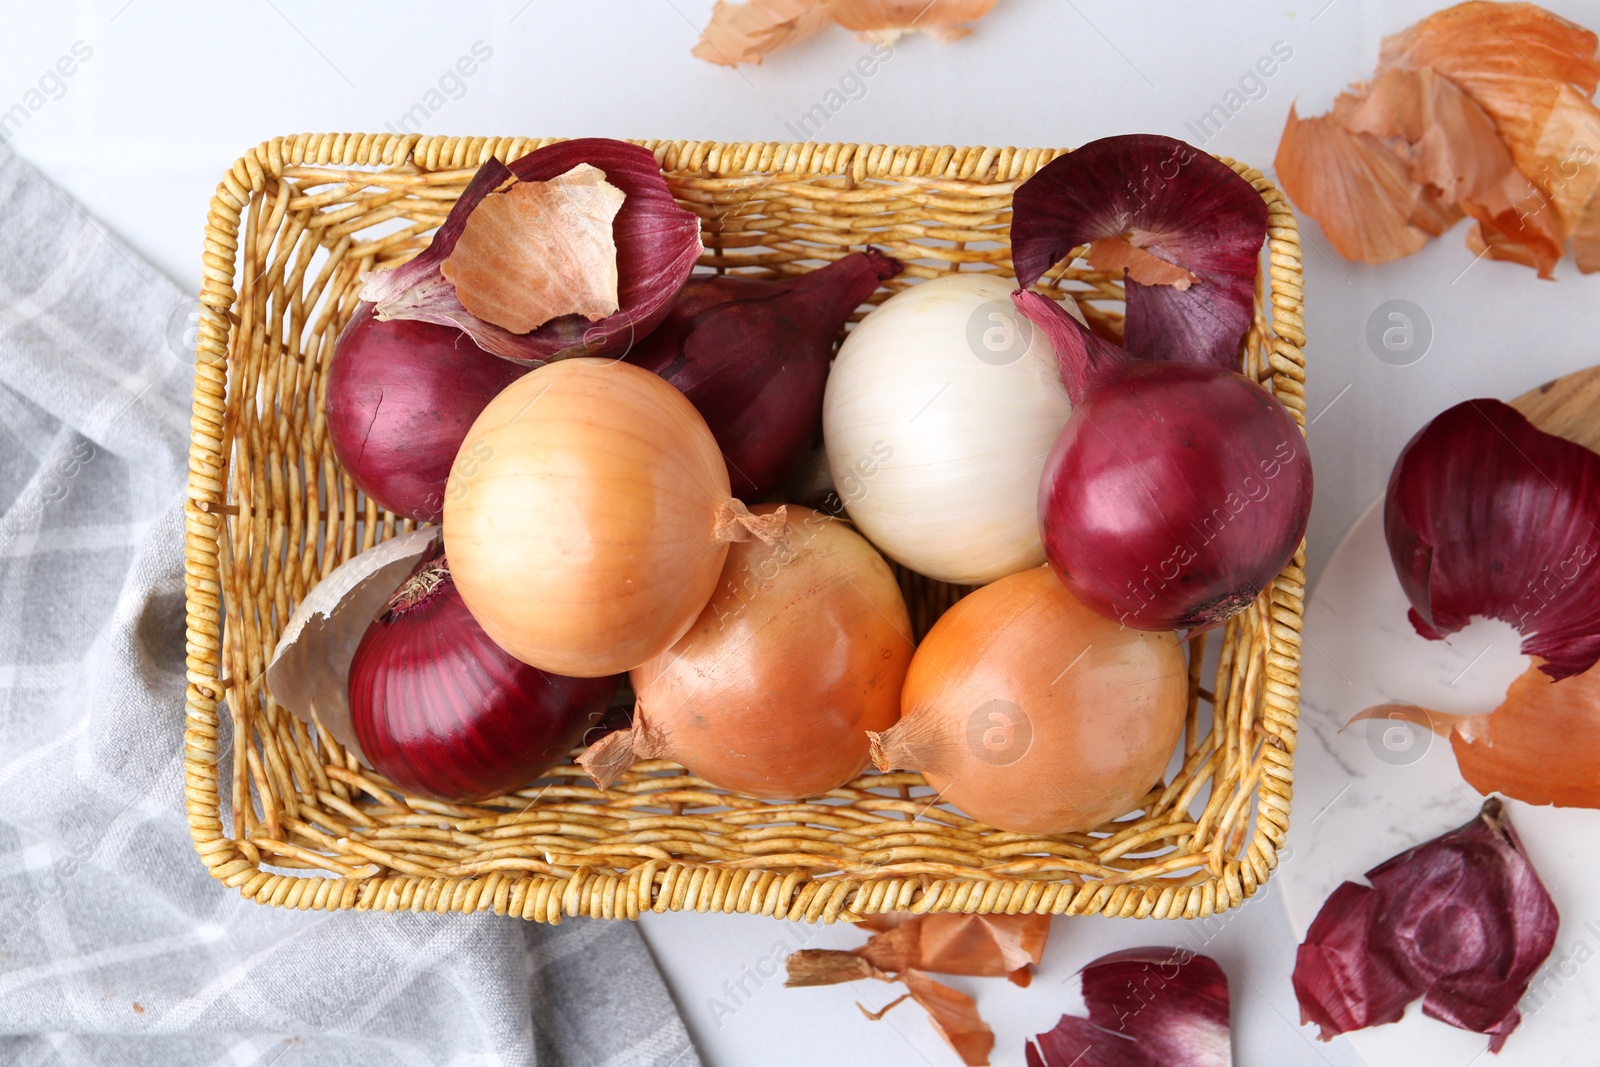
x: 941, y: 408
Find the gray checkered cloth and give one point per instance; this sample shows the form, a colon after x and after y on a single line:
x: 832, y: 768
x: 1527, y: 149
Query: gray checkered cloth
x: 116, y: 947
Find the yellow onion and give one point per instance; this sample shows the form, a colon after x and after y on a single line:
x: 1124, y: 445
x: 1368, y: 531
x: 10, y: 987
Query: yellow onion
x: 1032, y: 713
x: 588, y: 516
x: 801, y: 650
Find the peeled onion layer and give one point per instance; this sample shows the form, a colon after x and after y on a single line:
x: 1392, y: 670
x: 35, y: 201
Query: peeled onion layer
x: 1461, y: 921
x: 1032, y: 713
x: 940, y: 409
x: 588, y: 518
x: 1177, y: 490
x: 752, y: 354
x: 1148, y: 1007
x: 1486, y: 514
x: 444, y: 712
x: 310, y: 668
x: 657, y: 242
x: 402, y: 395
x: 801, y: 650
x: 1171, y: 201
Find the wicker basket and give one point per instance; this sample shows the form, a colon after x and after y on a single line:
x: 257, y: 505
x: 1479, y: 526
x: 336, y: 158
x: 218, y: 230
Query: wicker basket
x: 292, y: 226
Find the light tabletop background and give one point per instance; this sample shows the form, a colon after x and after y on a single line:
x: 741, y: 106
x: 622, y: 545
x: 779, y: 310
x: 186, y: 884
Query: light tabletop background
x: 173, y: 91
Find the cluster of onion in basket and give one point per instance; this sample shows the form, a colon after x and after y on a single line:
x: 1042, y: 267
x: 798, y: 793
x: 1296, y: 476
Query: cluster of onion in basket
x: 619, y: 453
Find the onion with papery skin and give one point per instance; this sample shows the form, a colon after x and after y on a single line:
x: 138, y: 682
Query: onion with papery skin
x: 401, y: 396
x: 940, y: 409
x: 751, y: 354
x: 801, y: 650
x: 588, y: 515
x: 1177, y: 491
x: 1034, y: 714
x: 442, y: 711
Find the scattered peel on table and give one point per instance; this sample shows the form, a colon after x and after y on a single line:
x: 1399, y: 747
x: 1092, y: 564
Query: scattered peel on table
x: 1149, y: 203
x: 1488, y: 515
x: 310, y: 668
x: 905, y: 947
x: 1540, y: 746
x: 1461, y: 921
x: 535, y: 251
x: 747, y: 32
x: 1481, y: 109
x: 1164, y: 1007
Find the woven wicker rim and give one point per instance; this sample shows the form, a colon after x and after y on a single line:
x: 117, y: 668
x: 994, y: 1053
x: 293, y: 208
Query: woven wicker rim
x: 351, y: 873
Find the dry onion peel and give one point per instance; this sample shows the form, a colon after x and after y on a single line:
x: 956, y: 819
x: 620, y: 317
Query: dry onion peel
x: 1488, y: 515
x: 1481, y: 109
x: 1163, y: 1007
x: 535, y: 251
x: 905, y: 947
x: 310, y: 666
x: 1173, y: 203
x: 746, y: 32
x: 657, y: 243
x: 1462, y: 921
x: 590, y: 527
x: 799, y: 652
x: 1540, y: 745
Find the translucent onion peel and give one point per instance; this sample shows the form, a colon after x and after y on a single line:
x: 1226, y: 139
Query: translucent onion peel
x: 1481, y: 109
x: 310, y: 666
x: 1171, y: 202
x: 746, y: 32
x: 800, y: 651
x: 1486, y: 514
x: 538, y: 250
x: 657, y: 245
x: 1160, y: 1007
x: 1462, y: 921
x: 905, y: 947
x: 1032, y: 713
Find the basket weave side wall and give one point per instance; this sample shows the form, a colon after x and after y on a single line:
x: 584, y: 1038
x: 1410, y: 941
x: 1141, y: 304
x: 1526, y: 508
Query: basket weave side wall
x: 659, y: 885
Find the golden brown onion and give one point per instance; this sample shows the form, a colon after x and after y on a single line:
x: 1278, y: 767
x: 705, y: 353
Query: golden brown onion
x: 801, y: 650
x: 1032, y: 713
x: 587, y: 517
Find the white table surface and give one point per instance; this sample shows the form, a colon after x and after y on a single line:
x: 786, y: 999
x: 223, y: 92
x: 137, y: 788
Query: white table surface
x: 175, y: 89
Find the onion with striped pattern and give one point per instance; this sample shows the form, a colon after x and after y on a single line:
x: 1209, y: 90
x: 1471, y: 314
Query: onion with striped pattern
x: 444, y: 712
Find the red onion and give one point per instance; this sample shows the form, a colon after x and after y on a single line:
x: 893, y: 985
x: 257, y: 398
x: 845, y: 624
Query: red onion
x: 752, y: 355
x: 443, y: 712
x: 1177, y: 490
x: 401, y: 396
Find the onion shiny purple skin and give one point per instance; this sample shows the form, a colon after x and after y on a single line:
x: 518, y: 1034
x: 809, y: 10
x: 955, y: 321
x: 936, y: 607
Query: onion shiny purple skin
x: 1176, y: 492
x: 751, y: 354
x: 401, y: 396
x: 443, y: 712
